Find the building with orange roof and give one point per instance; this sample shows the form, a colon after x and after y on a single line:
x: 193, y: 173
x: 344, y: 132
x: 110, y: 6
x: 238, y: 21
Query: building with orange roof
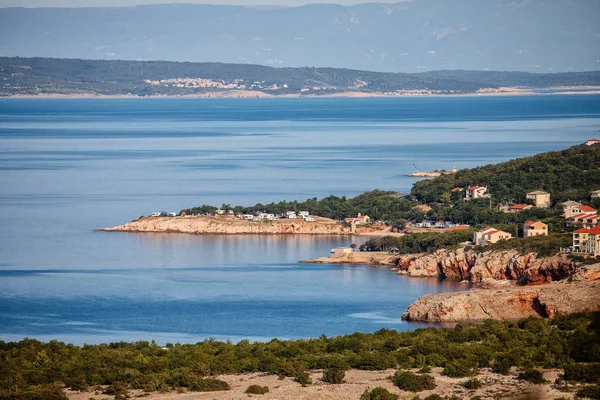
x: 592, y: 142
x: 537, y: 228
x: 489, y: 235
x: 475, y: 192
x: 583, y: 220
x: 577, y: 210
x: 587, y: 241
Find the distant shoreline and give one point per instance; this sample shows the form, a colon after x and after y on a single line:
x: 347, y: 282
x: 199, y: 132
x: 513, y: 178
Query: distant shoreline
x: 508, y: 91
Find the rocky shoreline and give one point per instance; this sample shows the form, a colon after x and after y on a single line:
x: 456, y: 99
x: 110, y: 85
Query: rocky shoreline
x: 579, y: 293
x: 510, y: 285
x: 225, y: 225
x: 486, y: 267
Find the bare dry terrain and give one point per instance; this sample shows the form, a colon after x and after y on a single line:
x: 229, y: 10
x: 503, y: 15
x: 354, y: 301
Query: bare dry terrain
x: 494, y: 386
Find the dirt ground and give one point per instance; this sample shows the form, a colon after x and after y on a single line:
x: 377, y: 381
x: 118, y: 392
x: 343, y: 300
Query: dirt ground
x: 495, y: 386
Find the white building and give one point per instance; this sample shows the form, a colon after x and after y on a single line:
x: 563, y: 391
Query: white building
x: 475, y: 192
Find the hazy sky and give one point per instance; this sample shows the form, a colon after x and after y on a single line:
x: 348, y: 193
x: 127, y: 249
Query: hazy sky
x: 114, y: 3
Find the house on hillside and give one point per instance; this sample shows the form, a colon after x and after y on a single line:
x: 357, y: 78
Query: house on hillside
x: 488, y: 235
x: 587, y: 241
x: 475, y: 192
x: 592, y: 142
x: 517, y: 208
x: 595, y: 194
x: 580, y: 209
x: 540, y: 198
x: 583, y: 220
x: 531, y: 228
x: 570, y: 208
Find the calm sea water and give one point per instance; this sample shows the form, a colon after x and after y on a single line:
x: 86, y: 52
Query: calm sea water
x: 69, y: 166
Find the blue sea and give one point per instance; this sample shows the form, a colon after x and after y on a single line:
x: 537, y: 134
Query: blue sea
x: 68, y: 166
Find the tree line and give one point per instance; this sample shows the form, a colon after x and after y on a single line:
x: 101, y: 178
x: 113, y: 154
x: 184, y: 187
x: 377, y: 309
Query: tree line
x: 31, y: 369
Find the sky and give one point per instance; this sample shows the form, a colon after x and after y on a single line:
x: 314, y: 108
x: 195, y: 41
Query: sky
x: 121, y: 3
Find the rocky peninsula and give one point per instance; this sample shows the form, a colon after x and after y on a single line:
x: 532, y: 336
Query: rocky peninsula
x: 467, y: 265
x: 229, y: 225
x: 579, y: 293
x: 510, y: 285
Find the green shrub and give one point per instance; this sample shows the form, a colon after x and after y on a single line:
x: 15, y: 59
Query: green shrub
x: 459, y: 369
x: 378, y: 393
x: 303, y: 378
x: 41, y: 392
x: 411, y: 382
x: 425, y: 369
x: 117, y: 388
x: 502, y: 366
x: 209, y: 385
x: 589, y: 373
x: 257, y: 389
x: 334, y: 375
x: 588, y: 392
x: 532, y: 375
x: 434, y: 397
x: 472, y: 384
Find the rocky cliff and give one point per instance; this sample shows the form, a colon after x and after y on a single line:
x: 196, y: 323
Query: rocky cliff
x: 478, y: 267
x: 230, y: 225
x: 579, y: 293
x: 467, y: 265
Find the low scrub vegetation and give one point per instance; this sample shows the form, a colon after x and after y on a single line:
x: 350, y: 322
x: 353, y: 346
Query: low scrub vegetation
x: 412, y: 382
x: 472, y: 384
x: 257, y: 389
x: 334, y: 375
x: 30, y: 367
x: 378, y: 393
x: 532, y: 375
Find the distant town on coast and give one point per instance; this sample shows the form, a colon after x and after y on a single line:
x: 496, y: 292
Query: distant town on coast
x: 45, y: 77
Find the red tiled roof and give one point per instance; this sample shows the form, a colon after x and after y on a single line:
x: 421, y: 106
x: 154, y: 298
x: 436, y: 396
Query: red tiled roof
x: 520, y: 206
x: 475, y: 187
x: 577, y: 216
x: 586, y: 209
x: 563, y: 215
x: 582, y: 230
x: 595, y: 230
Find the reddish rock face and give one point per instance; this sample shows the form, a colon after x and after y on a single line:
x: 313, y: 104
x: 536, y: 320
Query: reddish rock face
x: 580, y: 294
x: 478, y: 267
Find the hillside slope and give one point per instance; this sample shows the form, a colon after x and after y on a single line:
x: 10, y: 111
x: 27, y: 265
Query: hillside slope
x: 569, y: 174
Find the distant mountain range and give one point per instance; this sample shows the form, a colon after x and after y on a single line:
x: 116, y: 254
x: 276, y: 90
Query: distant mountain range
x: 32, y: 76
x: 410, y: 36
